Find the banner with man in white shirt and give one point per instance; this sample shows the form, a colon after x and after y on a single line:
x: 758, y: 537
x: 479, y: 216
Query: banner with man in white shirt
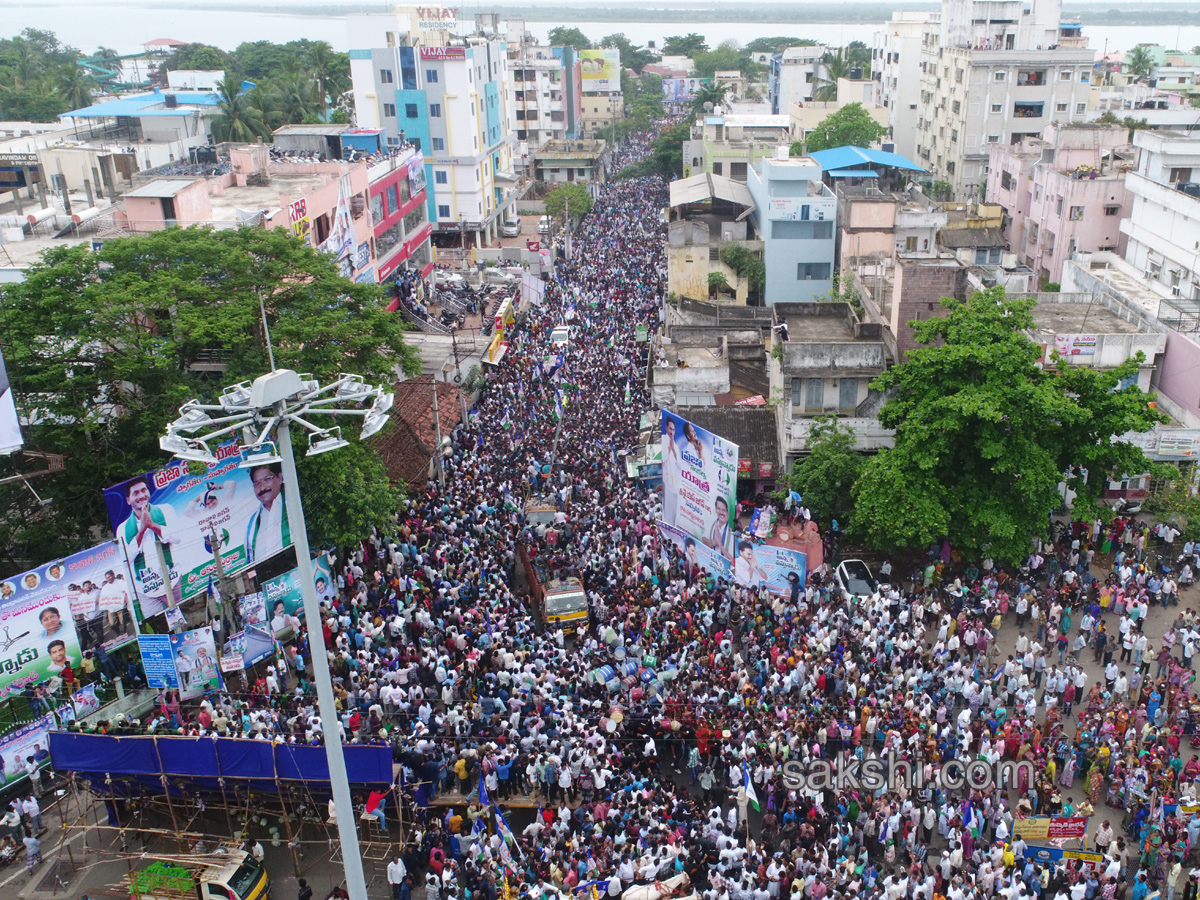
x: 174, y: 517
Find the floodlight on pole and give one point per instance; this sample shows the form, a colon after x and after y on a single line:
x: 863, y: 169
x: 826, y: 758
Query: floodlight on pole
x: 262, y: 413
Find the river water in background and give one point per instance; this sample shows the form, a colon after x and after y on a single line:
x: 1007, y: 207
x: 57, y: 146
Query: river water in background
x: 126, y: 27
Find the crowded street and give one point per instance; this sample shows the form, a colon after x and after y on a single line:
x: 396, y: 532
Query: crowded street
x: 1078, y: 663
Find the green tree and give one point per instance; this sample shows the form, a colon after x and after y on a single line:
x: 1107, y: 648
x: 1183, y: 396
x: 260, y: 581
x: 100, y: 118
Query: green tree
x: 1139, y: 61
x: 983, y: 434
x: 74, y: 86
x: 101, y: 350
x: 711, y: 93
x: 825, y: 478
x: 569, y: 196
x: 289, y: 99
x: 204, y: 57
x: 724, y: 58
x: 717, y: 282
x: 239, y: 117
x: 562, y: 36
x: 777, y: 44
x: 688, y: 45
x: 746, y: 265
x: 330, y: 72
x: 665, y: 157
x: 859, y: 54
x: 850, y: 126
x: 835, y: 65
x: 632, y: 57
x: 346, y: 493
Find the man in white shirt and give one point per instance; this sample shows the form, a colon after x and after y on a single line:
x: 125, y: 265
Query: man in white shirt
x: 396, y: 871
x: 267, y: 532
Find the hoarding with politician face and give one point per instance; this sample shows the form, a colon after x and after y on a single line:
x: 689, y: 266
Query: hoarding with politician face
x: 699, y: 471
x: 681, y: 90
x: 241, y: 510
x: 600, y: 71
x: 50, y: 614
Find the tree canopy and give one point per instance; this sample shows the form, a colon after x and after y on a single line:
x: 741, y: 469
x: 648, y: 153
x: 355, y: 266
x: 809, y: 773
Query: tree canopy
x: 826, y: 476
x: 684, y: 45
x: 102, y: 349
x: 574, y: 197
x: 851, y: 126
x: 562, y: 36
x: 665, y: 157
x: 984, y: 435
x: 777, y: 44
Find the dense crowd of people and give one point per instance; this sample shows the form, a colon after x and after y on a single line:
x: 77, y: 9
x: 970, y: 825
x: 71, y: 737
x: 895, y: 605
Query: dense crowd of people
x: 681, y: 757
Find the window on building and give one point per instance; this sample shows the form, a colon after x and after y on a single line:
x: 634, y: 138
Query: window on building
x: 1065, y: 74
x: 389, y: 110
x: 1076, y: 213
x: 410, y: 111
x: 443, y: 212
x: 950, y: 167
x: 954, y: 135
x: 993, y: 138
x: 1058, y: 205
x: 1180, y: 174
x: 1006, y: 181
x: 996, y: 107
x: 1028, y: 110
x: 1000, y: 75
x: 415, y: 218
x: 814, y: 394
x: 377, y: 213
x: 431, y: 76
x: 847, y: 395
x: 440, y: 177
x: 812, y: 271
x: 1085, y: 77
x: 1080, y: 108
x: 985, y: 255
x: 714, y: 254
x: 386, y: 77
x: 392, y: 202
x: 1031, y: 77
x: 1112, y: 210
x: 1060, y: 107
x: 955, y: 107
x: 910, y: 244
x: 438, y: 143
x: 718, y: 168
x: 435, y: 110
x: 520, y: 115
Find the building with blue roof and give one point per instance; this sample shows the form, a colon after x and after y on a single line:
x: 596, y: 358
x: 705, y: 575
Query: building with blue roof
x: 860, y: 162
x: 156, y: 128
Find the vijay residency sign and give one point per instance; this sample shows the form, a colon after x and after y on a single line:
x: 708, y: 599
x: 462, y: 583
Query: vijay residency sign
x: 180, y: 511
x: 699, y: 483
x: 39, y: 610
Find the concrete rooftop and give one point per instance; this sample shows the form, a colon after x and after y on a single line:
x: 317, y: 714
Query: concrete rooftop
x: 819, y: 329
x: 1079, y: 318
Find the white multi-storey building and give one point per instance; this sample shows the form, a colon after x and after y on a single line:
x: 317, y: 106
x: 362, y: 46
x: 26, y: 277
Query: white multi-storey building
x: 993, y: 72
x: 1163, y: 228
x: 896, y: 67
x: 793, y: 76
x: 448, y: 96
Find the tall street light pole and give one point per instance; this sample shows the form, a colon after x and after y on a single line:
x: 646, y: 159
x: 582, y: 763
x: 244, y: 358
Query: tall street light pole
x: 263, y: 412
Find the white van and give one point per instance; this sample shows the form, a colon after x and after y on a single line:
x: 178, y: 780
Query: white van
x: 544, y: 225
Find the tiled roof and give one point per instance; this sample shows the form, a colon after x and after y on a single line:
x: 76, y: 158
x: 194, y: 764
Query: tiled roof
x: 954, y: 238
x: 752, y: 428
x: 407, y: 446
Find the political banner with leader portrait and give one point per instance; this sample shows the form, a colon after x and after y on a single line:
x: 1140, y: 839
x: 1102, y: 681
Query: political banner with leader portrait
x: 51, y: 614
x: 699, y: 472
x: 183, y: 512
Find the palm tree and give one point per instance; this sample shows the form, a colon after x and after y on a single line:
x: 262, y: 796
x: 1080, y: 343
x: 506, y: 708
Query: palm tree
x: 711, y: 93
x: 74, y: 86
x: 290, y: 98
x: 29, y: 61
x: 1139, y: 61
x: 835, y: 65
x: 328, y: 72
x: 105, y: 53
x: 238, y: 117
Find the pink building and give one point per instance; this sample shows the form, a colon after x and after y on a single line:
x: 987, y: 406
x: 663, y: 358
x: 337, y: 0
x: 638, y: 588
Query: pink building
x: 1062, y: 193
x: 323, y: 202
